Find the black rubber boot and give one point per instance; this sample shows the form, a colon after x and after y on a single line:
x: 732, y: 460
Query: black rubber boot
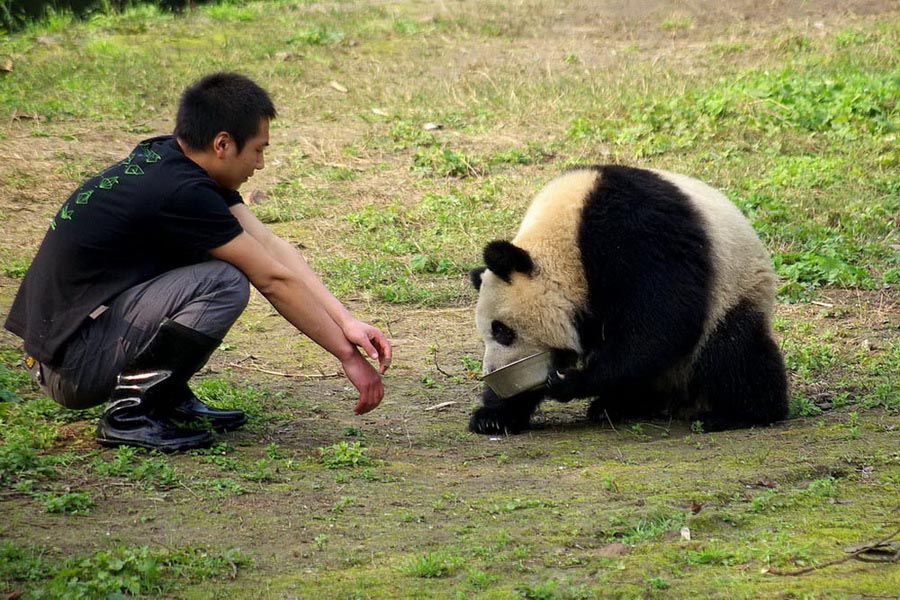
x: 139, y: 412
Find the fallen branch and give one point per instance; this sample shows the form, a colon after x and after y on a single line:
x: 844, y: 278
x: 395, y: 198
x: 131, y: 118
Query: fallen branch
x: 855, y: 554
x: 282, y: 374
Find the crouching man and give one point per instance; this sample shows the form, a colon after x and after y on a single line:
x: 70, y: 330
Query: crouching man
x: 146, y: 266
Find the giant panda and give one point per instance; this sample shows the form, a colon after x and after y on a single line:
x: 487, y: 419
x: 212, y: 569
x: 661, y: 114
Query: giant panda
x: 651, y: 290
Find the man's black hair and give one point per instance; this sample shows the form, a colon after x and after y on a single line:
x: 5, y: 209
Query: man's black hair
x: 221, y: 102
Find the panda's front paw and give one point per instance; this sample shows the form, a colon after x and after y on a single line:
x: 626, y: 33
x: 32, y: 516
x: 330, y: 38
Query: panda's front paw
x: 560, y: 385
x: 490, y: 421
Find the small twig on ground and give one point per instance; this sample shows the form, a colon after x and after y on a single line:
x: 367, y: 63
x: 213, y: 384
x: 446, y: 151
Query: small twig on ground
x: 387, y: 325
x: 436, y: 365
x: 404, y: 421
x: 666, y: 429
x: 193, y: 493
x: 248, y: 357
x: 855, y: 554
x: 608, y: 420
x: 283, y: 374
x: 825, y: 304
x: 441, y: 405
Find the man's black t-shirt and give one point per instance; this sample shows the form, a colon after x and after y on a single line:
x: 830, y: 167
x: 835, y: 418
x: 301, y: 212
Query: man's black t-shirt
x: 152, y: 212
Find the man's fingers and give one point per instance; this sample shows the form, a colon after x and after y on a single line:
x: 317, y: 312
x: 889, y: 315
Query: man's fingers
x: 384, y: 356
x: 370, y: 349
x: 365, y: 405
x: 369, y: 399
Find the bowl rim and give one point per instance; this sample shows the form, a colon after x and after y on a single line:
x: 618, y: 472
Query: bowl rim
x: 516, y: 362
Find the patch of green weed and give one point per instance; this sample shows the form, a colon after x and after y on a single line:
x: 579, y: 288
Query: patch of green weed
x: 220, y: 487
x: 710, y: 554
x: 233, y: 11
x: 260, y: 471
x: 434, y: 565
x: 15, y: 268
x: 224, y: 393
x: 676, y: 23
x: 113, y: 573
x: 11, y: 381
x: 136, y: 464
x: 631, y: 531
x: 318, y: 35
x: 345, y: 455
x: 71, y: 503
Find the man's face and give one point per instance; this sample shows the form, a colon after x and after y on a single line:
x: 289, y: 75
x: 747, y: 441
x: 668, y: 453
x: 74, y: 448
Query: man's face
x: 238, y: 167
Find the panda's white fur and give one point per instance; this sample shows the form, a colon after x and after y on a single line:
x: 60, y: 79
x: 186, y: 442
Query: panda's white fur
x: 549, y: 299
x: 543, y: 305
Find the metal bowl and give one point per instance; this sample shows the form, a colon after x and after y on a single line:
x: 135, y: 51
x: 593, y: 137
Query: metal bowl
x: 520, y: 376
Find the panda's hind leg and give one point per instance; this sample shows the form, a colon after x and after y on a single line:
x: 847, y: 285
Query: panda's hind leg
x: 739, y: 379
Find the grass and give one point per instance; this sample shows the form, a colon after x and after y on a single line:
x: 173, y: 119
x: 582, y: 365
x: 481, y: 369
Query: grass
x: 451, y: 118
x: 134, y: 571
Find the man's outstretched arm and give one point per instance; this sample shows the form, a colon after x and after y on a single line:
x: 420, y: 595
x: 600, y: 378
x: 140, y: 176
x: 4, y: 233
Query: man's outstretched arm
x: 369, y: 338
x: 292, y: 295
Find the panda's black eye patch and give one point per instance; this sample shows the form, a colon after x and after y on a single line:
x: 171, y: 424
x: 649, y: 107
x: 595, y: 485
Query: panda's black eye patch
x: 502, y: 333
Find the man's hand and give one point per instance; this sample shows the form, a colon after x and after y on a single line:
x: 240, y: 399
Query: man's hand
x: 366, y: 379
x: 371, y: 340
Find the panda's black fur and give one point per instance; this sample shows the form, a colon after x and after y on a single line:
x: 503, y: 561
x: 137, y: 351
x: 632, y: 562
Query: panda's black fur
x: 653, y: 284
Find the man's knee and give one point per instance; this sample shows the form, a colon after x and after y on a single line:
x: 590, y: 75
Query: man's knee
x: 237, y: 283
x: 229, y: 280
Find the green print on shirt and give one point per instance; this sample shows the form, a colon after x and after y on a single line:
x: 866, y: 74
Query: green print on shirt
x: 83, y: 197
x: 151, y: 156
x: 107, y: 183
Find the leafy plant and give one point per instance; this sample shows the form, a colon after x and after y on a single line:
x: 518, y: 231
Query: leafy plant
x: 16, y: 268
x: 434, y: 565
x: 113, y: 573
x: 137, y: 464
x: 344, y: 455
x: 318, y: 35
x: 710, y: 555
x: 261, y: 470
x: 802, y: 406
x: 72, y: 503
x: 444, y: 162
x: 644, y: 528
x: 224, y: 393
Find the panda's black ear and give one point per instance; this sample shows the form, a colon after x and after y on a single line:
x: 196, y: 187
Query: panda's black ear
x: 475, y: 276
x: 504, y: 258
